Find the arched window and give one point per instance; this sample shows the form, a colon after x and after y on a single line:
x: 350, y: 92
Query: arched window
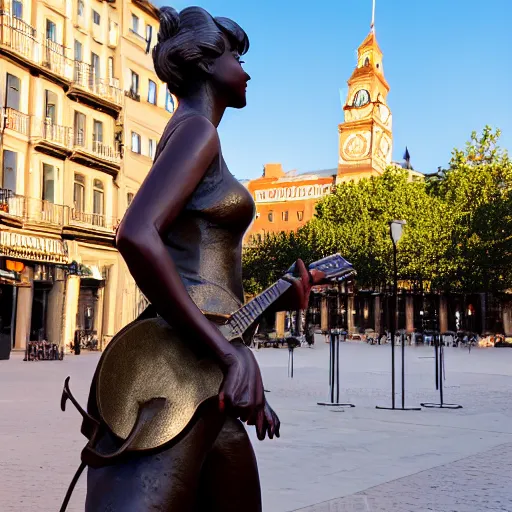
x: 129, y: 198
x: 79, y: 193
x: 366, y: 61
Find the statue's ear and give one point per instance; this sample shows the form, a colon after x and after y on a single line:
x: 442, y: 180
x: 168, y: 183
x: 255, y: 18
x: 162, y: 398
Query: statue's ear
x: 207, y: 66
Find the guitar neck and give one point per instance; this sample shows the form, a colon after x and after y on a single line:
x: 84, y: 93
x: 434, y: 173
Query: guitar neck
x: 242, y: 319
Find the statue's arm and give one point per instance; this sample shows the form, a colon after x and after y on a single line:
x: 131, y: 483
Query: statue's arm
x: 163, y: 195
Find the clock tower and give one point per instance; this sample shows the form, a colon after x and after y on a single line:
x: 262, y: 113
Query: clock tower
x: 365, y: 137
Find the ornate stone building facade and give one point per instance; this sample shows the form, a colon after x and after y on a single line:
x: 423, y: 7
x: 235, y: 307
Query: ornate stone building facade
x: 69, y: 147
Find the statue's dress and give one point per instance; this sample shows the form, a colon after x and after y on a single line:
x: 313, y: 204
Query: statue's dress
x: 205, y: 243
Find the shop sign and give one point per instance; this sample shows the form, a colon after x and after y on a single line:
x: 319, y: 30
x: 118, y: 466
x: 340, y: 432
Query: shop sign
x: 9, y: 274
x: 270, y: 195
x: 36, y: 248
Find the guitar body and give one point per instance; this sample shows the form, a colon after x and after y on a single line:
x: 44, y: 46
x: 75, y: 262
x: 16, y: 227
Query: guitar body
x: 145, y: 361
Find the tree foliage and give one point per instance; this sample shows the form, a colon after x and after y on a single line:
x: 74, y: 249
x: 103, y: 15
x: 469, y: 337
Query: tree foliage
x: 458, y: 233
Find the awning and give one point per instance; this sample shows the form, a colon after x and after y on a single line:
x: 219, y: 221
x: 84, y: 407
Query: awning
x: 33, y: 248
x: 92, y: 272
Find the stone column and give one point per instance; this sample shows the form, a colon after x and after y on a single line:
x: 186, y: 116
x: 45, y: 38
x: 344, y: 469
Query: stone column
x: 98, y: 317
x: 350, y: 314
x: 324, y: 314
x: 24, y: 308
x: 507, y: 318
x: 376, y: 314
x: 443, y: 314
x: 409, y: 314
x: 54, y: 317
x: 70, y: 309
x: 280, y: 321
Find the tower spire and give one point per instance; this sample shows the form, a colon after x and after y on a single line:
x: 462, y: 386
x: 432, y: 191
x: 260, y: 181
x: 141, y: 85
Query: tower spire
x: 372, y: 26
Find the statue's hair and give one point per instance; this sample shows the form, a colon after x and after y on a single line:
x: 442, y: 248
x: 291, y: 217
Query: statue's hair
x: 188, y: 42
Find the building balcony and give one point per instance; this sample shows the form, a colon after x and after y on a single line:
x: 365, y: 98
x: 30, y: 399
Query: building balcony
x: 50, y: 138
x: 16, y: 121
x: 90, y: 227
x: 94, y: 220
x: 18, y: 38
x: 54, y: 59
x: 97, y: 154
x: 100, y: 93
x: 19, y: 211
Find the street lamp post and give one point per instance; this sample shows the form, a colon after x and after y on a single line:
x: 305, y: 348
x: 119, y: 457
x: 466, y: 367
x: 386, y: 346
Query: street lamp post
x: 395, y: 231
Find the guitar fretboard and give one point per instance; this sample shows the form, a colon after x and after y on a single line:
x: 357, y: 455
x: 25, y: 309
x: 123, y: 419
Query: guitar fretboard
x: 241, y: 320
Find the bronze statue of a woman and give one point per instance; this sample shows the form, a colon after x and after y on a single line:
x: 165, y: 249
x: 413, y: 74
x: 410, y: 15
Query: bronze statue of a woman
x: 181, y: 239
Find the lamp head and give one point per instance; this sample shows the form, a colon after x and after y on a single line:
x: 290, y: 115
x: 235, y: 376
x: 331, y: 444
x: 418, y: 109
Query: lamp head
x: 395, y: 229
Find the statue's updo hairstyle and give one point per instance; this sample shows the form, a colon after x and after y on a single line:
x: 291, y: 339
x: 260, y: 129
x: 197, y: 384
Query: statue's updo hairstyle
x: 187, y: 44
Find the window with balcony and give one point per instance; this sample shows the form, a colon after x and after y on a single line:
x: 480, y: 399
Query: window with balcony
x: 97, y: 133
x: 152, y: 92
x: 10, y: 166
x: 136, y: 143
x: 80, y: 8
x: 13, y: 92
x: 284, y: 216
x: 110, y: 69
x: 134, y: 87
x: 79, y: 193
x: 48, y: 183
x: 79, y: 129
x: 98, y: 197
x: 113, y: 33
x: 95, y: 66
x: 51, y: 31
x: 50, y: 100
x: 78, y: 51
x: 135, y: 24
x: 129, y: 198
x: 169, y: 102
x: 96, y: 18
x: 152, y: 148
x: 17, y: 9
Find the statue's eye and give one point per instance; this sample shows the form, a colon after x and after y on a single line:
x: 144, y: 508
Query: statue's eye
x: 237, y: 57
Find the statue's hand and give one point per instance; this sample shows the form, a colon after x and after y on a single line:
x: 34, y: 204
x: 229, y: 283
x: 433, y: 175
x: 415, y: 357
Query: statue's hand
x: 267, y: 423
x: 242, y: 393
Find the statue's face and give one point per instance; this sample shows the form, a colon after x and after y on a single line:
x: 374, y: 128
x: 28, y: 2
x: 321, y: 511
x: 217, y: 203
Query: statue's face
x: 229, y: 78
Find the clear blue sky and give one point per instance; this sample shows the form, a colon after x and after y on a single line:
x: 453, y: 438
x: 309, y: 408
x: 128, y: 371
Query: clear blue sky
x: 448, y: 64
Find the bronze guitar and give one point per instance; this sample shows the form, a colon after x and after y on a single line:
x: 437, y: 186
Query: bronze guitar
x: 150, y: 381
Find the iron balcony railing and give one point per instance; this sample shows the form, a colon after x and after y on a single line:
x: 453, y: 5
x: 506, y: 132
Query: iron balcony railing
x: 92, y: 219
x: 30, y: 209
x: 39, y: 211
x: 48, y: 131
x: 85, y: 77
x: 16, y: 120
x: 97, y: 149
x: 19, y: 37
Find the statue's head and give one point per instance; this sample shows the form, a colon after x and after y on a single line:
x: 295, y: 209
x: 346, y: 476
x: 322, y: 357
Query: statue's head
x: 194, y: 48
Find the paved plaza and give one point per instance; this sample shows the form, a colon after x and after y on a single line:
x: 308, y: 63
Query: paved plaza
x: 327, y: 460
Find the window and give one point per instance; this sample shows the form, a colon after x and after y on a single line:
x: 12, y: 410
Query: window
x: 96, y: 18
x: 50, y: 107
x: 271, y: 216
x: 80, y: 7
x: 169, y: 102
x: 17, y: 9
x: 79, y: 129
x: 51, y: 31
x: 152, y: 92
x: 134, y: 88
x: 13, y: 92
x: 152, y: 148
x: 95, y: 65
x: 149, y: 36
x: 129, y: 198
x: 48, y: 183
x: 135, y: 142
x: 113, y: 33
x: 97, y: 197
x: 10, y: 166
x: 110, y: 68
x: 284, y: 216
x: 97, y: 131
x: 300, y: 215
x: 135, y: 23
x: 78, y: 51
x: 79, y: 193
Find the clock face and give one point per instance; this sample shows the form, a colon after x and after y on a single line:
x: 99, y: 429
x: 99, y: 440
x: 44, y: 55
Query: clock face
x: 361, y: 98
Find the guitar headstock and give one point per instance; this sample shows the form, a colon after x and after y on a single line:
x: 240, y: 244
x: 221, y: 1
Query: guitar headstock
x: 335, y: 267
